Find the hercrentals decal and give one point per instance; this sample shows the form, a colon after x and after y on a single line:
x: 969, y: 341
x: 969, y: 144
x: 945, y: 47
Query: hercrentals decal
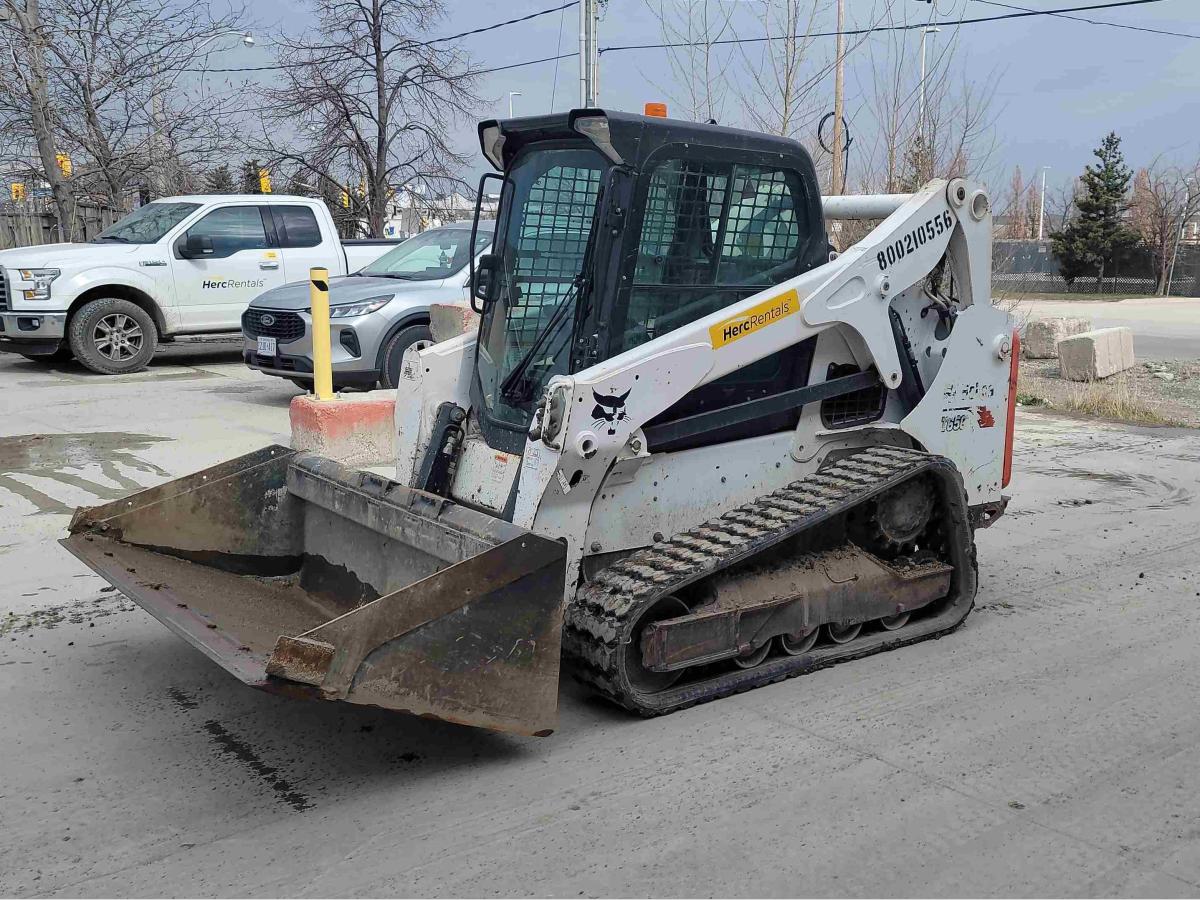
x: 766, y: 313
x: 224, y: 284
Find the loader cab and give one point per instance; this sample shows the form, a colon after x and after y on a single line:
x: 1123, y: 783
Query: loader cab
x: 614, y: 229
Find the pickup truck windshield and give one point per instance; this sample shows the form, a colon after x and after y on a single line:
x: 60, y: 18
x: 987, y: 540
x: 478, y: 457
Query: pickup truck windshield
x: 147, y: 224
x: 429, y: 256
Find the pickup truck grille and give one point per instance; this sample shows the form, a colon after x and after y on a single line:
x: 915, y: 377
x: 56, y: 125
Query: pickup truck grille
x: 287, y: 326
x: 3, y: 290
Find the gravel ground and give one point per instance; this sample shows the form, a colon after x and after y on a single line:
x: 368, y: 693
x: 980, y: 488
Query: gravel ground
x: 1165, y: 392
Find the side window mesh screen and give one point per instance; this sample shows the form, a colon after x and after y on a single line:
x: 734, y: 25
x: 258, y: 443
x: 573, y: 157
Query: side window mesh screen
x: 550, y: 245
x: 762, y: 236
x: 856, y: 408
x: 712, y: 233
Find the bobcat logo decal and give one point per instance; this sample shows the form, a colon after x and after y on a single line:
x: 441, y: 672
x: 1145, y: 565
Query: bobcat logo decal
x: 609, y: 410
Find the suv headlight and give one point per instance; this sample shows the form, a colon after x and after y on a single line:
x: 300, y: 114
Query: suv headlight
x: 42, y: 279
x: 359, y: 307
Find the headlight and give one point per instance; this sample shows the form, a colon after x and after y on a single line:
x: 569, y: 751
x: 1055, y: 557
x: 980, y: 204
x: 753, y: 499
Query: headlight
x: 358, y: 308
x: 41, y: 279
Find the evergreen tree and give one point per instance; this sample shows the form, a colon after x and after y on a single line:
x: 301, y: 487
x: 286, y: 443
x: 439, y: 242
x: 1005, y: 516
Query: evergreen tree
x: 250, y: 183
x: 219, y: 181
x: 1098, y: 236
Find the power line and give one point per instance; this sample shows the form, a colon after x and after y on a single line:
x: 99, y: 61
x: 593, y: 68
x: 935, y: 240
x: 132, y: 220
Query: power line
x: 1195, y: 37
x: 949, y: 23
x: 442, y: 40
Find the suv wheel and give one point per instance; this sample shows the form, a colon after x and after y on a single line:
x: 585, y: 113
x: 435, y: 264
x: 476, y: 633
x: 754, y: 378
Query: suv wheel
x: 112, y: 336
x: 393, y: 352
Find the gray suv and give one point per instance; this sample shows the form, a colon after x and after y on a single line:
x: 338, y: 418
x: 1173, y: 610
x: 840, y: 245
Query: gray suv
x: 374, y: 314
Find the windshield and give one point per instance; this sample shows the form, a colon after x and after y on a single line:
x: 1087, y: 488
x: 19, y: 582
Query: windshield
x: 429, y: 256
x: 548, y: 201
x: 147, y: 224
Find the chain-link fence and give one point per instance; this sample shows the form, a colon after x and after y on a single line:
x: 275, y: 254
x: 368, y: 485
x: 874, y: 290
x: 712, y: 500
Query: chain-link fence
x: 1031, y: 267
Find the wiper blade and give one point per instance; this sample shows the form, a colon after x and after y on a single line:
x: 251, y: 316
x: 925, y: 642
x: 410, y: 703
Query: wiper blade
x: 508, y: 388
x: 111, y: 237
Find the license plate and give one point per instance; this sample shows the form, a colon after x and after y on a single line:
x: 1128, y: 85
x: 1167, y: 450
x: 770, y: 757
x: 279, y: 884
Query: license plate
x: 268, y: 346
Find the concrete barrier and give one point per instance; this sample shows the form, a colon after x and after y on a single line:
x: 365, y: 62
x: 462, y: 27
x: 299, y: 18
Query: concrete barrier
x: 355, y: 429
x: 448, y: 320
x: 1041, y: 336
x: 1096, y: 354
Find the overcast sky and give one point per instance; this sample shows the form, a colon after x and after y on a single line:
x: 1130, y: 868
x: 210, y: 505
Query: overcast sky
x: 1060, y: 85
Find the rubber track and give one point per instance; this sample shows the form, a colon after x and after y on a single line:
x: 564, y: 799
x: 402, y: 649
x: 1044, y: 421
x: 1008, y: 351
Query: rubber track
x: 601, y: 610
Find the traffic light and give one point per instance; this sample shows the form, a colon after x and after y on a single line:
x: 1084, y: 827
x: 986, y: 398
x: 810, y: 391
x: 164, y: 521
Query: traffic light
x: 264, y: 181
x: 17, y: 191
x: 345, y: 199
x: 64, y: 164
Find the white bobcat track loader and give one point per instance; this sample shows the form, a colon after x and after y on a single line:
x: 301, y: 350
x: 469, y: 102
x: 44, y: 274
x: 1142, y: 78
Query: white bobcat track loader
x: 689, y: 451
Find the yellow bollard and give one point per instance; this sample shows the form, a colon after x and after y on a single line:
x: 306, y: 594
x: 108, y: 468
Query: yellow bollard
x: 318, y: 290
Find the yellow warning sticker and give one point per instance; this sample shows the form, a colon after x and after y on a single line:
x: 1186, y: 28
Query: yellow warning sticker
x: 766, y: 313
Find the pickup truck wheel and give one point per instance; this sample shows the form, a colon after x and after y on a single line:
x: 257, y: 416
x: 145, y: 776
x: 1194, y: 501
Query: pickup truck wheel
x: 393, y: 353
x: 112, y: 336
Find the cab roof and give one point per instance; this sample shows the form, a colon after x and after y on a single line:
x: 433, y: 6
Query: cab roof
x: 632, y: 137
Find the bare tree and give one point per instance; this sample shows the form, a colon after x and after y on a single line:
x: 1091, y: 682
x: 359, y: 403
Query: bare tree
x: 1014, y: 215
x: 1163, y: 200
x: 128, y: 102
x: 373, y: 109
x: 780, y: 79
x: 29, y: 109
x: 1060, y: 205
x: 886, y: 104
x: 697, y: 64
x: 900, y: 149
x: 1033, y: 208
x: 109, y: 85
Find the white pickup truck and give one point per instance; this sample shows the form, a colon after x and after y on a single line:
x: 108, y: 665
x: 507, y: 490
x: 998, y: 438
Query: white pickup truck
x: 181, y: 265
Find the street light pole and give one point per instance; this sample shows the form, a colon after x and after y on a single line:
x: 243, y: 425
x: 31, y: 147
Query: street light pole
x: 1187, y: 203
x: 925, y: 32
x: 512, y: 94
x: 1042, y: 204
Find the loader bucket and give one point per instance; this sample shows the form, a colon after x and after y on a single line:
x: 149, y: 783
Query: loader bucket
x: 303, y: 577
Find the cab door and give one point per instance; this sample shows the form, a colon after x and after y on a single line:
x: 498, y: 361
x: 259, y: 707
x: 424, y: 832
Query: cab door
x: 221, y: 263
x: 302, y: 244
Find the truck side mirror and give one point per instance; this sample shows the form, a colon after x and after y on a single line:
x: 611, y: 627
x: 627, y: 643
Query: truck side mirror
x: 481, y: 283
x: 196, y: 246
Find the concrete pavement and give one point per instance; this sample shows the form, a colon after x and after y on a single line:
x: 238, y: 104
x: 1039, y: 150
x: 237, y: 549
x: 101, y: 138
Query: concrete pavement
x: 1050, y: 746
x: 1163, y: 328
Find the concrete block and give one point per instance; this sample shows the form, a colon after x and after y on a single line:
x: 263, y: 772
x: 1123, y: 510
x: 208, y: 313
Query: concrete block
x: 1096, y: 354
x: 448, y: 320
x: 355, y: 429
x: 1041, y: 336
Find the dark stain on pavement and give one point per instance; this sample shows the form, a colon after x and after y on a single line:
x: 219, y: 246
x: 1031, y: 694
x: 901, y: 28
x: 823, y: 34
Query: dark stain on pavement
x: 240, y: 750
x: 50, y: 455
x: 182, y: 699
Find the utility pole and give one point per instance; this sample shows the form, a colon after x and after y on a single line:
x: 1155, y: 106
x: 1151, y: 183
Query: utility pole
x: 836, y: 175
x: 589, y: 55
x: 1042, y: 204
